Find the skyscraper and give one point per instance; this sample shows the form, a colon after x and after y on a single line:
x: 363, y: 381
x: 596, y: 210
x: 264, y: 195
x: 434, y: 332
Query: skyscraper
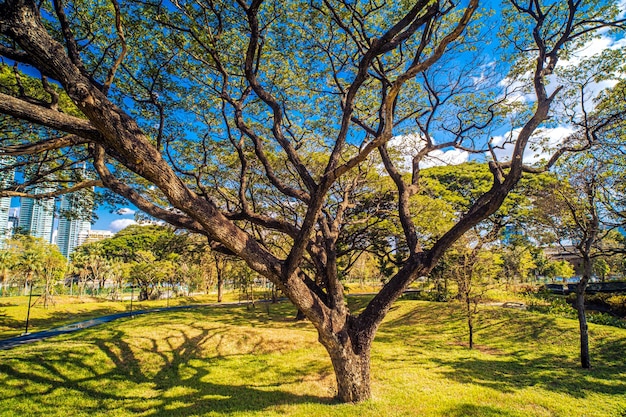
x: 14, y: 221
x: 5, y: 205
x: 6, y: 179
x: 74, y: 220
x: 37, y: 215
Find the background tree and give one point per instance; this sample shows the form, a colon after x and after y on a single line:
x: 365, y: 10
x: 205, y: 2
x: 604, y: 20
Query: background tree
x: 147, y: 274
x: 473, y: 269
x: 600, y: 268
x: 559, y: 269
x: 178, y: 255
x: 518, y: 260
x: 7, y: 263
x: 53, y: 265
x: 246, y: 122
x: 580, y: 214
x: 222, y: 266
x: 80, y: 269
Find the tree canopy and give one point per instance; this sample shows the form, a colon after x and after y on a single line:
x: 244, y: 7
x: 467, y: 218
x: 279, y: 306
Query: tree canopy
x: 263, y: 125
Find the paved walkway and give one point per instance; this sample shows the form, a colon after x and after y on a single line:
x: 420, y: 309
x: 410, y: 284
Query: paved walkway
x: 36, y: 336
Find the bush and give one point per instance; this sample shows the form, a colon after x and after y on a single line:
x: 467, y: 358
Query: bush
x: 613, y: 303
x: 606, y: 319
x: 618, y: 304
x: 528, y: 289
x: 547, y: 303
x: 554, y: 305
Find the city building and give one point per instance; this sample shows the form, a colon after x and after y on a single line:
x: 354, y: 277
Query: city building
x: 14, y: 221
x: 96, y: 235
x: 5, y: 231
x: 6, y: 179
x: 37, y: 215
x: 74, y: 220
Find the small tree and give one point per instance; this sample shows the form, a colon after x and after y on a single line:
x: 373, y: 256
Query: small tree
x: 7, y: 263
x: 146, y: 274
x: 580, y: 211
x: 53, y: 265
x: 79, y: 268
x: 559, y: 269
x: 474, y: 269
x: 29, y: 263
x: 600, y: 267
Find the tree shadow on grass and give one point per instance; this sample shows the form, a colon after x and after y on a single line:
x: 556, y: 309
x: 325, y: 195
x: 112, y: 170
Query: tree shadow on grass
x: 53, y: 319
x: 154, y: 376
x: 9, y: 326
x: 472, y: 410
x: 518, y: 358
x: 510, y: 374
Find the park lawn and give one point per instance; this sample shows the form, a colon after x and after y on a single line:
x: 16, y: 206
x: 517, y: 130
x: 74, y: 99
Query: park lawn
x: 231, y: 361
x: 70, y: 309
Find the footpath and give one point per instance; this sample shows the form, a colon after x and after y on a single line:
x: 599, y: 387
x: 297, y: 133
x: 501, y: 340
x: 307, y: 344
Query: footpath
x: 73, y: 327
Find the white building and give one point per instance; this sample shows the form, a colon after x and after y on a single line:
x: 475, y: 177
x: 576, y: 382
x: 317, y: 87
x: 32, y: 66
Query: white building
x: 74, y: 221
x: 37, y: 215
x: 6, y: 179
x: 96, y: 235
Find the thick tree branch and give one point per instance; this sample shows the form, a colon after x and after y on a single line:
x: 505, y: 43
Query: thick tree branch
x: 123, y: 189
x: 76, y: 187
x: 118, y: 61
x: 42, y: 146
x: 44, y: 116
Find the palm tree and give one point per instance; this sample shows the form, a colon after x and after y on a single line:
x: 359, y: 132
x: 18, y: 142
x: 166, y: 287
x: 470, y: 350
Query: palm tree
x: 30, y: 263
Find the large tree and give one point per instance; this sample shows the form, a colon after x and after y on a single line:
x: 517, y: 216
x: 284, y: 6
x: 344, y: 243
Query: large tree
x: 589, y: 207
x: 261, y: 124
x: 585, y: 212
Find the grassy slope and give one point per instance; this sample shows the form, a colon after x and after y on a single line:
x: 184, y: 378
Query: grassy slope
x: 66, y: 310
x: 228, y: 361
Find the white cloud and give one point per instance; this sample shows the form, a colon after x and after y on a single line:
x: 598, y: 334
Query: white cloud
x: 124, y: 211
x: 541, y: 145
x: 408, y: 146
x: 519, y: 91
x: 451, y: 157
x: 591, y: 48
x: 117, y: 225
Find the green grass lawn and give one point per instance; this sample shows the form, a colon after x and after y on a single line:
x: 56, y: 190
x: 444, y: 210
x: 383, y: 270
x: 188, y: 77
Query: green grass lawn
x: 230, y: 361
x: 70, y: 309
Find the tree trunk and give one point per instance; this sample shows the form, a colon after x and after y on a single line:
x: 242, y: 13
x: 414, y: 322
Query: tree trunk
x: 470, y: 321
x: 352, y: 372
x: 300, y: 316
x: 220, y: 286
x: 585, y: 360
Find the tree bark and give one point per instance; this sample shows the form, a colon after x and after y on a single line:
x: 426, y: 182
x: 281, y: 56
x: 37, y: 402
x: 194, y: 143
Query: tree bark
x: 470, y: 321
x: 220, y: 287
x: 352, y: 371
x: 585, y: 360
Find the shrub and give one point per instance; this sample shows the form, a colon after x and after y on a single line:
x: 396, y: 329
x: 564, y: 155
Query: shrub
x: 550, y: 304
x: 606, y: 319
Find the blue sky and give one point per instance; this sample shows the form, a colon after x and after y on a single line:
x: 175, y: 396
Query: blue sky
x: 107, y: 220
x: 115, y: 221
x: 410, y: 144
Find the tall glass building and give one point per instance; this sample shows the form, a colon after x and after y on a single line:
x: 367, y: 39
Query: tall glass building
x: 6, y: 179
x: 74, y: 220
x: 37, y: 215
